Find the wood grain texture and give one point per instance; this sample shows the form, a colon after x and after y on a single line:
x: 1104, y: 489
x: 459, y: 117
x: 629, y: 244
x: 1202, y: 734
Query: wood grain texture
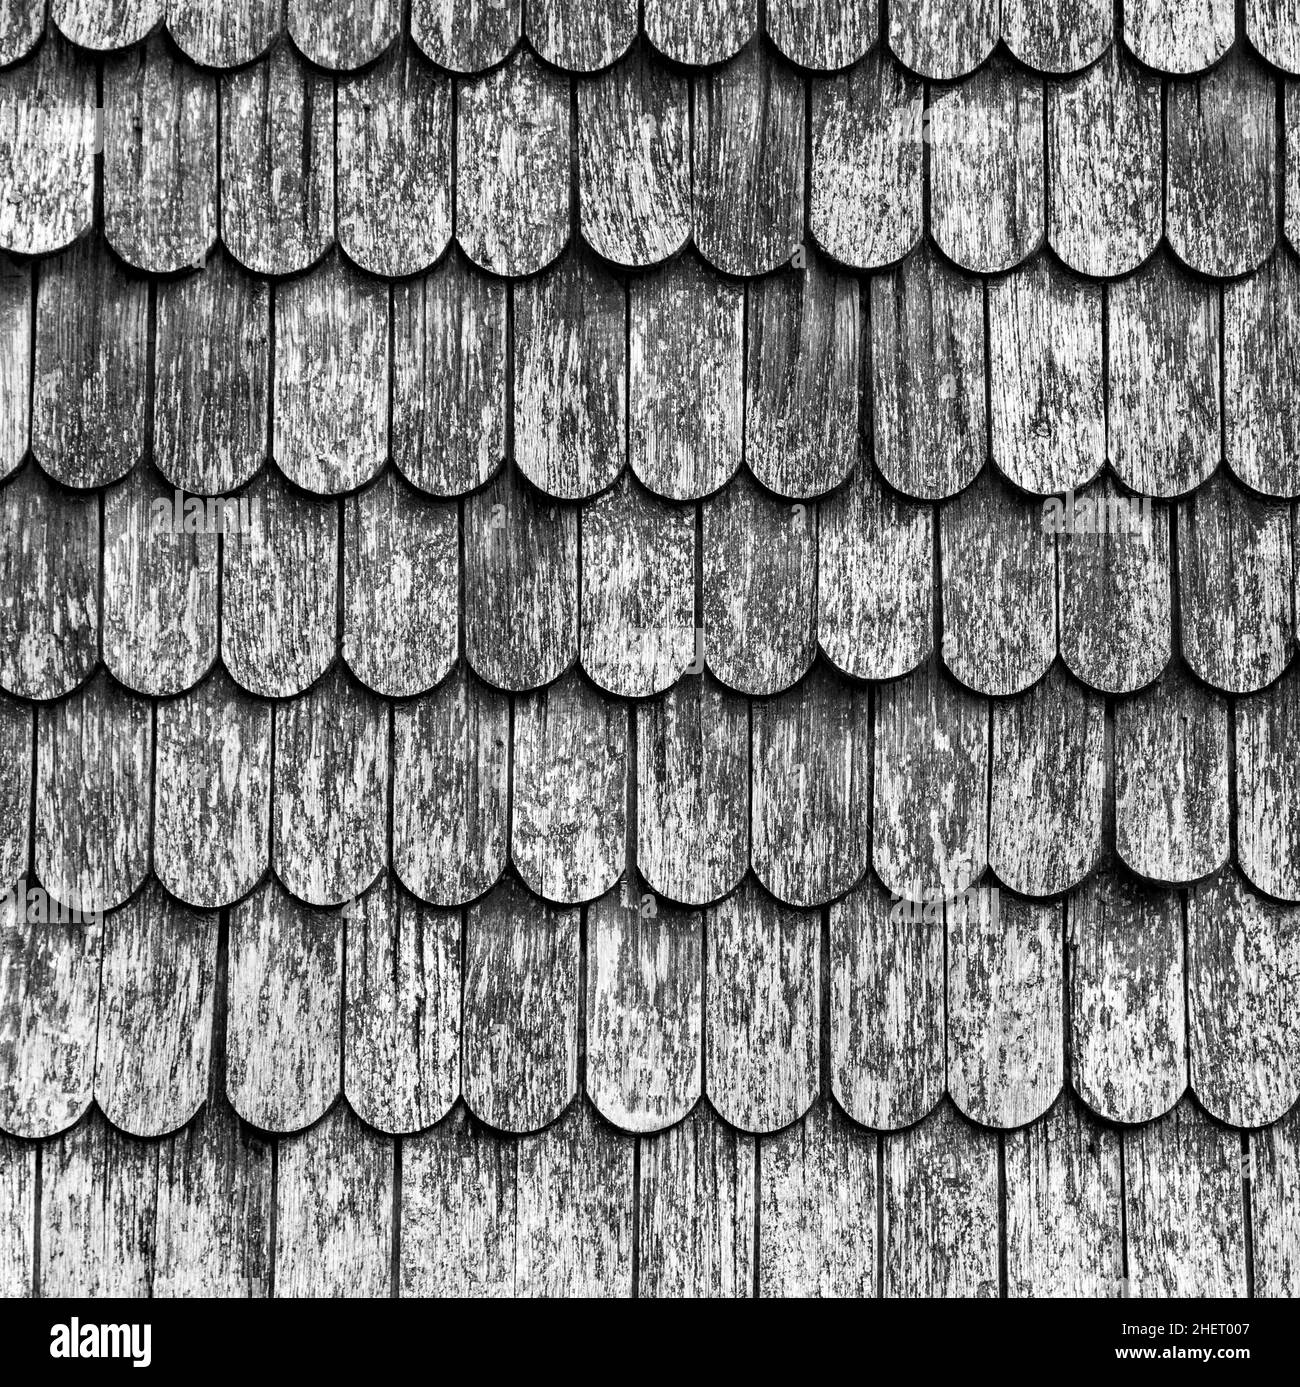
x: 1053, y: 40
x: 1220, y: 189
x: 1291, y: 169
x: 568, y: 836
x: 1045, y: 378
x: 941, y: 1209
x: 160, y: 159
x: 1163, y: 379
x: 451, y: 767
x: 1004, y: 1008
x: 394, y: 164
x: 1183, y: 1204
x: 1048, y: 786
x: 802, y: 380
x: 697, y: 1192
x: 1179, y: 36
x: 17, y: 1215
x: 156, y: 997
x: 570, y: 335
x: 762, y: 1009
x: 930, y: 796
x: 94, y: 758
x: 866, y: 160
x: 887, y: 1009
x: 644, y: 1036
x: 1234, y: 586
x: 224, y: 33
x: 1128, y: 1034
x: 825, y: 34
x: 1268, y: 788
x: 401, y: 587
x: 449, y: 378
x: 1274, y: 31
x: 748, y: 163
x: 279, y: 591
x: 519, y: 1053
x: 49, y: 1009
x: 986, y: 169
x: 875, y: 585
x: 1104, y: 140
x: 49, y: 586
x: 108, y: 24
x: 760, y: 572
x: 942, y: 39
x: 466, y: 35
x: 1115, y: 593
x: 810, y: 786
x: 160, y: 598
x: 1261, y: 384
x: 22, y: 23
x: 512, y: 167
x: 686, y: 379
x: 575, y: 1210
x: 581, y: 35
x: 1243, y: 991
x: 1171, y: 781
x: 998, y: 571
x: 212, y: 793
x: 15, y: 363
x: 1064, y: 1198
x: 1275, y: 1229
x: 283, y: 1010
x: 693, y: 791
x: 212, y: 362
x: 16, y: 724
x: 47, y: 151
x: 334, y: 1211
x: 277, y: 163
x: 817, y: 1213
x: 634, y: 191
x: 689, y: 33
x: 927, y: 377
x: 638, y: 590
x: 92, y: 351
x: 330, y: 410
x: 343, y: 34
x: 521, y: 584
x: 401, y: 1025
x: 329, y: 810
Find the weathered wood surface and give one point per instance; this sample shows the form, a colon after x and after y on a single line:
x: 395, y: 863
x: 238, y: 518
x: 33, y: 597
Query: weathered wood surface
x: 1178, y: 37
x: 520, y: 1010
x: 1064, y: 1195
x: 698, y: 1186
x: 826, y: 34
x: 401, y: 587
x: 160, y: 159
x: 1057, y: 40
x: 762, y: 1000
x: 1243, y: 1001
x: 343, y: 34
x: 644, y: 1032
x: 686, y: 378
x: 634, y: 193
x: 866, y: 160
x: 329, y: 805
x: 943, y: 38
x: 817, y: 1210
x: 748, y: 163
x: 693, y: 770
x: 1048, y: 786
x: 1291, y: 189
x: 690, y: 33
x: 581, y: 35
x: 401, y: 1024
x: 224, y: 33
x: 15, y: 363
x: 16, y: 741
x: 810, y: 775
x: 49, y: 586
x: 212, y: 793
x: 334, y: 1210
x: 1128, y: 1035
x: 394, y: 164
x: 17, y: 1218
x: 1274, y: 31
x: 1171, y: 781
x: 94, y: 759
x: 105, y: 25
x: 1268, y: 788
x: 1220, y: 179
x: 466, y: 35
x: 998, y: 570
x: 1104, y: 141
x: 1275, y: 1225
x: 451, y: 769
x: 927, y: 376
x: 283, y: 1010
x: 22, y: 23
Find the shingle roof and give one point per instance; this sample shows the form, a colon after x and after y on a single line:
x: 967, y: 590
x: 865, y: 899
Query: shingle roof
x: 639, y: 424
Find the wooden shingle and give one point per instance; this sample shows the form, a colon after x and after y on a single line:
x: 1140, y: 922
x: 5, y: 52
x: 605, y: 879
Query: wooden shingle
x: 224, y: 33
x: 689, y: 33
x: 1268, y: 788
x: 343, y: 34
x: 466, y: 35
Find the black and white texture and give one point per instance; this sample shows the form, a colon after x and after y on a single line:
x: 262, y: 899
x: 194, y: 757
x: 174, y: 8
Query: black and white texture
x: 529, y: 635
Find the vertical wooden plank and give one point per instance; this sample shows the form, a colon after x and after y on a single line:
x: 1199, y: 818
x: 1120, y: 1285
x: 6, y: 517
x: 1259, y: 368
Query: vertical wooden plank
x: 15, y: 363
x: 17, y: 1218
x: 1275, y: 1217
x: 1268, y: 788
x: 16, y: 722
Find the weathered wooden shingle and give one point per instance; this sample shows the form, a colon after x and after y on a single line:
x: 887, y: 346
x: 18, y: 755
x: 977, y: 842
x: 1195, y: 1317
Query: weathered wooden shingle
x: 1275, y: 1170
x: 108, y: 24
x: 581, y: 35
x: 1268, y: 788
x: 224, y: 33
x: 825, y: 34
x: 1057, y: 39
x: 22, y: 22
x: 943, y: 38
x: 1179, y: 37
x: 16, y: 728
x: 1272, y: 27
x: 15, y: 363
x: 18, y: 1215
x: 690, y: 33
x: 343, y: 34
x: 466, y: 35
